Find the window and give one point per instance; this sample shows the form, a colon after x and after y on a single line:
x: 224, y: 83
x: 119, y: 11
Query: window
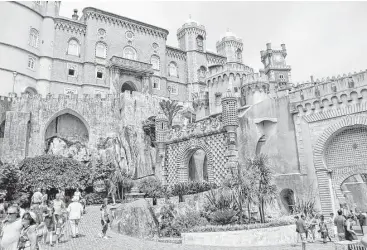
x: 173, y: 69
x: 202, y: 72
x: 102, y: 33
x: 101, y: 50
x: 156, y: 84
x: 33, y: 38
x: 239, y: 54
x: 281, y: 76
x: 73, y: 47
x: 129, y: 35
x: 31, y: 62
x: 154, y: 60
x: 72, y: 70
x: 200, y: 43
x: 99, y: 72
x: 129, y: 53
x: 174, y: 89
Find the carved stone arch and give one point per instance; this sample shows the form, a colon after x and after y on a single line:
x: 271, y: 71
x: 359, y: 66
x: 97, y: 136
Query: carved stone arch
x: 63, y: 112
x: 185, y: 154
x: 128, y: 86
x: 320, y: 165
x: 31, y: 91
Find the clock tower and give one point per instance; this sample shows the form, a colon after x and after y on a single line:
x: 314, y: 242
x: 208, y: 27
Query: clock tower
x: 275, y: 67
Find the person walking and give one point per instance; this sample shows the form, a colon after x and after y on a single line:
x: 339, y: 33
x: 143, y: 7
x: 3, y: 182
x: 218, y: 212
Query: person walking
x: 339, y: 222
x: 104, y: 218
x: 312, y: 227
x: 44, y: 197
x: 75, y: 211
x: 12, y: 227
x: 37, y: 198
x: 348, y: 228
x: 323, y: 229
x: 78, y: 194
x: 362, y: 220
x: 301, y: 228
x: 330, y: 226
x: 28, y: 235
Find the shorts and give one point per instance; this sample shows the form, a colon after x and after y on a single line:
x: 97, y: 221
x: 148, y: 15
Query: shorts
x: 303, y: 237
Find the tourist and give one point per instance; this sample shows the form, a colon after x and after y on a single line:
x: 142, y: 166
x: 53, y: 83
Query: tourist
x: 58, y: 206
x: 301, y: 228
x: 37, y: 198
x: 48, y: 223
x: 362, y: 220
x: 339, y: 222
x: 12, y: 227
x: 77, y: 194
x: 105, y: 220
x: 312, y: 227
x: 28, y: 235
x: 75, y: 210
x: 349, y: 232
x: 62, y: 194
x: 44, y: 197
x: 330, y: 226
x: 323, y: 229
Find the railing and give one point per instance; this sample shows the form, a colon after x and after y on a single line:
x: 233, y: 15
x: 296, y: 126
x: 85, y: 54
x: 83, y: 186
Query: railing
x: 129, y: 64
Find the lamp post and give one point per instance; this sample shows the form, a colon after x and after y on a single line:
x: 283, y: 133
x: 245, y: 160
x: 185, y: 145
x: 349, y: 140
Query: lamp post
x: 169, y: 89
x: 14, y: 76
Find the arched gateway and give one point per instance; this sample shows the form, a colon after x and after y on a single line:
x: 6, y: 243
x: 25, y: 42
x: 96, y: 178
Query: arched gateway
x: 340, y: 153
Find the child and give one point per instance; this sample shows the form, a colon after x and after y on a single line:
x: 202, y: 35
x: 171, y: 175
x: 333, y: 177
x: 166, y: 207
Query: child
x: 60, y: 225
x: 48, y: 222
x: 324, y: 230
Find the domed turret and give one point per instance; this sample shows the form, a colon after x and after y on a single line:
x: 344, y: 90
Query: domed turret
x: 161, y: 127
x: 191, y: 36
x: 230, y: 46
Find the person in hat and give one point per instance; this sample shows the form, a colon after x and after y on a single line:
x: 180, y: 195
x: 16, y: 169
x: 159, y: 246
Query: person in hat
x: 75, y: 211
x: 28, y: 235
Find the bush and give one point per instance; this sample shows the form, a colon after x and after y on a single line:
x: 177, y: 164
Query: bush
x: 183, y: 222
x: 192, y: 187
x: 9, y: 180
x: 165, y: 218
x: 223, y: 217
x: 95, y: 198
x: 152, y: 187
x: 53, y: 171
x: 235, y: 227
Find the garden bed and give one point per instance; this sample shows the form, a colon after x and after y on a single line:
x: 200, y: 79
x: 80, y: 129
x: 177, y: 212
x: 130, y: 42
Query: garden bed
x: 270, y: 236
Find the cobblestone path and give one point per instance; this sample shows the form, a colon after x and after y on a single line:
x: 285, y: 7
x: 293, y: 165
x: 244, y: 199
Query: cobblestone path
x: 90, y: 228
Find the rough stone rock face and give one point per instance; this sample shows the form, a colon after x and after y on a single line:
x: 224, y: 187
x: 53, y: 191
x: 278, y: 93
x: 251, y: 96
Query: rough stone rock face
x: 135, y: 219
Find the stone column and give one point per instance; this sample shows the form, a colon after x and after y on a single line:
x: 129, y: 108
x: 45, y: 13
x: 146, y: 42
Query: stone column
x: 15, y: 136
x: 146, y: 86
x: 114, y: 76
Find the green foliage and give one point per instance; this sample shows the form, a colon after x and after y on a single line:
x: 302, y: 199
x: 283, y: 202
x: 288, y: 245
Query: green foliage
x: 191, y: 187
x: 152, y: 187
x: 284, y: 221
x: 103, y: 171
x: 183, y: 222
x: 305, y: 204
x: 9, y: 180
x: 166, y: 216
x: 170, y: 108
x: 95, y: 198
x: 219, y: 200
x: 53, y: 171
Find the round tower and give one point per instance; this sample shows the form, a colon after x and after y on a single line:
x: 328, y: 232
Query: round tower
x: 231, y: 47
x: 192, y: 36
x: 161, y: 128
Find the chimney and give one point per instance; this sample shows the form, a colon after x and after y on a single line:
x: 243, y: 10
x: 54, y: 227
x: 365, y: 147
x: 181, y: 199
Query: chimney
x: 312, y: 79
x: 283, y: 46
x: 268, y: 46
x: 75, y: 15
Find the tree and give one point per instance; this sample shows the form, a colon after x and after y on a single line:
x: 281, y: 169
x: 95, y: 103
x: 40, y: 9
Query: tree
x: 266, y: 190
x: 9, y: 177
x: 170, y: 108
x: 53, y: 171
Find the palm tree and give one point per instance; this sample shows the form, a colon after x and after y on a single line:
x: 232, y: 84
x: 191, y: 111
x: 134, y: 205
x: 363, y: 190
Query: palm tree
x: 266, y: 190
x: 170, y: 108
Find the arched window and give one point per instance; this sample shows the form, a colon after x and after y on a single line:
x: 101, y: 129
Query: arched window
x: 129, y: 53
x: 172, y: 69
x: 31, y: 62
x: 154, y: 60
x: 200, y: 42
x: 239, y: 54
x: 101, y: 50
x: 202, y: 72
x: 73, y: 47
x: 33, y: 38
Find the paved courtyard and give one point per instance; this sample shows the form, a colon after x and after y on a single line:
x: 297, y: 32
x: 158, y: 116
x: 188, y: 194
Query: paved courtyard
x: 90, y: 228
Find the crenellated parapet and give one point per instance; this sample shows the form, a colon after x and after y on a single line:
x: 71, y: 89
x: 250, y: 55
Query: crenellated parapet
x: 336, y: 94
x: 235, y: 68
x: 215, y: 59
x: 176, y: 53
x: 70, y: 26
x: 208, y: 126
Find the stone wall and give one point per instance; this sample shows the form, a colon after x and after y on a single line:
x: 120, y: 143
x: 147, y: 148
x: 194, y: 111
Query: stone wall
x: 113, y: 124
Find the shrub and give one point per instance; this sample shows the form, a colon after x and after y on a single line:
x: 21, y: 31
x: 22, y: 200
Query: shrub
x: 9, y: 180
x: 223, y: 217
x: 53, y: 171
x: 192, y: 187
x: 165, y: 218
x: 95, y: 198
x: 235, y: 227
x: 187, y: 220
x: 152, y: 187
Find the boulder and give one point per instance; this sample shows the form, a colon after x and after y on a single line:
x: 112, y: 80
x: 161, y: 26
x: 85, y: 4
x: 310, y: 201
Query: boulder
x: 135, y: 219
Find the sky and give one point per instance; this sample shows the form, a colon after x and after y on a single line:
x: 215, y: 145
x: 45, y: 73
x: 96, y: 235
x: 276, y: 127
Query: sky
x: 323, y: 39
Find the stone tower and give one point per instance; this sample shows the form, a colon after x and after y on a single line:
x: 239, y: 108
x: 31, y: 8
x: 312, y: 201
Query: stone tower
x: 276, y: 68
x: 230, y: 124
x: 161, y: 130
x: 192, y: 39
x: 231, y: 47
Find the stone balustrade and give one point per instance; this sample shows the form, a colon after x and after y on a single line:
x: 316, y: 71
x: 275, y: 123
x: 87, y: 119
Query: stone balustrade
x: 132, y: 65
x: 204, y: 127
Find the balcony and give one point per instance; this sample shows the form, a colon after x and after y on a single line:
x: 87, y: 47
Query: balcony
x: 130, y: 65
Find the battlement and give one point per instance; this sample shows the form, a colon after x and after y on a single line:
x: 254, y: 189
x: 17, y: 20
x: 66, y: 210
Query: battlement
x: 331, y: 94
x: 229, y: 67
x: 324, y: 87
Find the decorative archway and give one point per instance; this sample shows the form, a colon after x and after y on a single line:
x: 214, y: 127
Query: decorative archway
x: 197, y: 166
x: 30, y: 91
x: 185, y: 156
x: 287, y: 199
x: 128, y: 86
x: 336, y: 175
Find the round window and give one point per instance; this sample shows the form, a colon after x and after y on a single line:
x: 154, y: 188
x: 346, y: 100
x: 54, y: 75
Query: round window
x: 155, y: 45
x: 101, y: 32
x: 129, y: 35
